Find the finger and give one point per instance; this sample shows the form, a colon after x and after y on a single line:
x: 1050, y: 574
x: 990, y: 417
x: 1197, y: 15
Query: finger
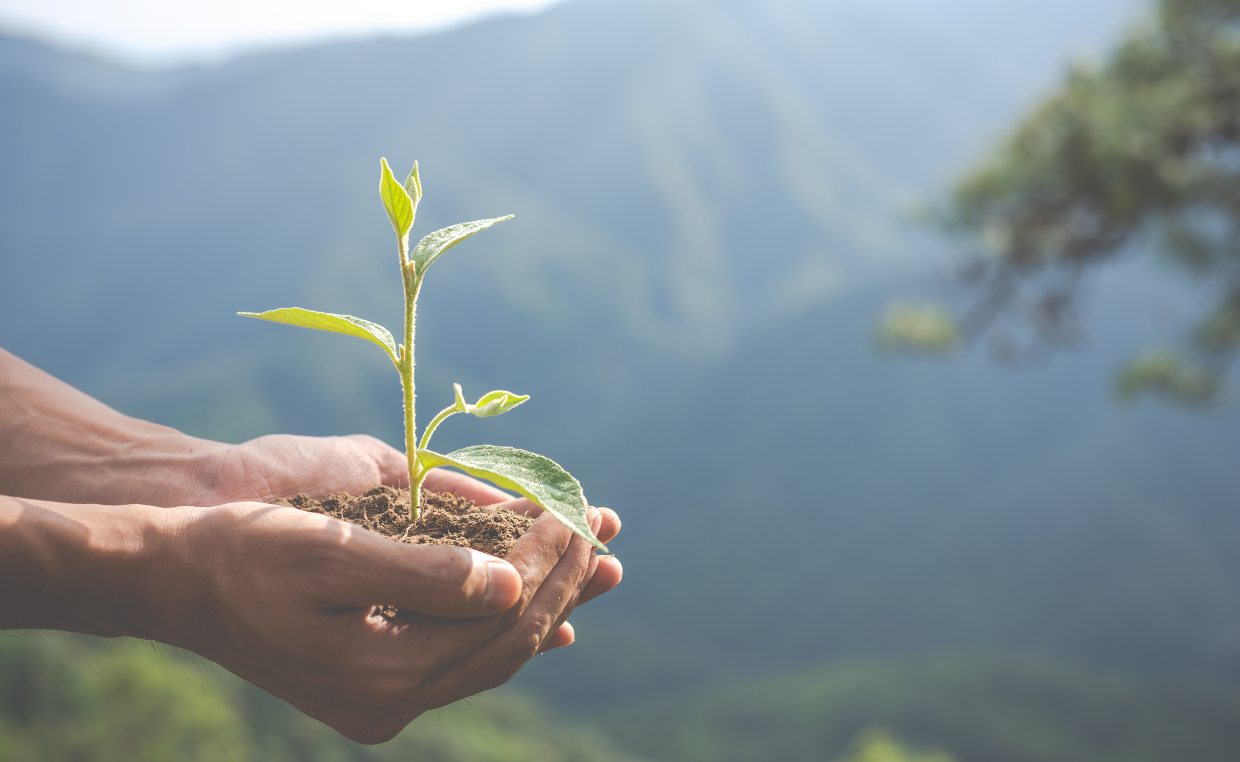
x: 391, y: 463
x: 609, y: 527
x: 606, y: 576
x: 572, y: 604
x: 535, y: 555
x: 594, y: 559
x: 443, y: 480
x: 565, y: 636
x: 495, y: 662
x: 609, y: 524
x: 441, y: 580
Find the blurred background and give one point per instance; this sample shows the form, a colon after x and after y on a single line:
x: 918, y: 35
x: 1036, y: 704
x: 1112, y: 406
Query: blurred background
x: 899, y: 333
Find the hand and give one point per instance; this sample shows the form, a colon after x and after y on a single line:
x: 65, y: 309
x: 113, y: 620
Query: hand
x: 57, y: 443
x: 278, y: 596
x: 271, y: 465
x: 282, y: 465
x: 294, y: 591
x: 283, y: 598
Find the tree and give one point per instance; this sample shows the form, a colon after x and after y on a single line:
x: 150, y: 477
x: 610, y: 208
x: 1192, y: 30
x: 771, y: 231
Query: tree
x: 1142, y: 149
x: 877, y: 745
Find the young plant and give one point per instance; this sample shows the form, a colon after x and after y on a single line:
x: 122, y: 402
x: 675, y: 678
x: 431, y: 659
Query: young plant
x: 537, y: 478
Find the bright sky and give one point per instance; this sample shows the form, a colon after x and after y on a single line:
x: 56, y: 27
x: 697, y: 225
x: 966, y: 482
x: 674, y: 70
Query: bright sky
x: 160, y: 31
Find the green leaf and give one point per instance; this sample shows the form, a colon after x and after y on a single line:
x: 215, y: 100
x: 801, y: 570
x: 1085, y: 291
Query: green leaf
x: 434, y: 244
x: 395, y: 200
x: 540, y: 479
x: 413, y: 186
x: 325, y: 321
x: 495, y: 403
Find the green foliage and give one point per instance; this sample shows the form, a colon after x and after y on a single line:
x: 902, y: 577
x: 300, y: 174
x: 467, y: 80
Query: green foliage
x: 538, y: 478
x: 501, y: 729
x: 877, y: 745
x: 434, y: 244
x: 83, y: 700
x: 1162, y: 373
x: 325, y: 321
x: 1000, y: 709
x: 489, y: 405
x: 61, y: 700
x: 922, y: 328
x: 1140, y: 148
x: 397, y: 201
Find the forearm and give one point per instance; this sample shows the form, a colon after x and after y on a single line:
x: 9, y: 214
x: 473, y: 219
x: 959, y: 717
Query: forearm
x: 99, y: 570
x: 57, y: 443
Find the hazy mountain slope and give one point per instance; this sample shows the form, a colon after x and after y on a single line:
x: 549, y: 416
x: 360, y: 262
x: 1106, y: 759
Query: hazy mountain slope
x: 683, y: 174
x: 813, y: 498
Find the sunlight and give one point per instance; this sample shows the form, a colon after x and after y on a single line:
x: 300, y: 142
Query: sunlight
x: 156, y: 31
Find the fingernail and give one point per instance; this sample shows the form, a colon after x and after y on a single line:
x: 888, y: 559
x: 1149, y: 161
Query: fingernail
x: 595, y: 518
x: 503, y: 586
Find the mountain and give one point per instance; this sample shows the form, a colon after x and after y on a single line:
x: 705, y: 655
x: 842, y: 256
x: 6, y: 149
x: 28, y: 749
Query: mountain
x: 683, y: 174
x: 815, y: 498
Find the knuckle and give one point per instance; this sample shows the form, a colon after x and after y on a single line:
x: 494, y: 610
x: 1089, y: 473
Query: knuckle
x: 529, y: 642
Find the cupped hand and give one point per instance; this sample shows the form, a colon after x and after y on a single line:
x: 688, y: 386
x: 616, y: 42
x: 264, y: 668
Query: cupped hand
x: 282, y: 465
x: 285, y: 599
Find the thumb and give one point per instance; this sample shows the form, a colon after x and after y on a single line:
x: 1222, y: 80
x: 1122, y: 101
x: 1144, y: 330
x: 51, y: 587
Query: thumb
x: 392, y: 465
x: 442, y: 580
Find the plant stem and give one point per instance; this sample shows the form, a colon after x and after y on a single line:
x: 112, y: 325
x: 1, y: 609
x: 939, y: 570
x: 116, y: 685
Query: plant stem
x: 412, y: 285
x: 434, y: 424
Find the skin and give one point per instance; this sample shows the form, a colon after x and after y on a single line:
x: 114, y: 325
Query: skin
x: 114, y: 526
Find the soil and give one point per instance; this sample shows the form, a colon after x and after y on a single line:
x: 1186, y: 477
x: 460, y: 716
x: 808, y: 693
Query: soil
x: 447, y: 518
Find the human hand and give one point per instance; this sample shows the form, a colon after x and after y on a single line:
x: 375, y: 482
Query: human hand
x: 288, y: 606
x: 274, y: 465
x: 59, y: 444
x: 284, y: 598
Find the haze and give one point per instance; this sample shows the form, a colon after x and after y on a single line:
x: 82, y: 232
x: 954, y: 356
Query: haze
x: 158, y: 32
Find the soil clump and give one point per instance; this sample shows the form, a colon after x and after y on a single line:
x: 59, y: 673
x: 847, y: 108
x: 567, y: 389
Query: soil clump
x: 447, y: 518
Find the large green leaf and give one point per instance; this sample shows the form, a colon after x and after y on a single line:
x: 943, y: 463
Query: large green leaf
x: 396, y: 200
x: 434, y: 244
x: 325, y: 321
x: 540, y: 479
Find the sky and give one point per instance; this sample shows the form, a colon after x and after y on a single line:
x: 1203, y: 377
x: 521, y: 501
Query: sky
x: 174, y: 31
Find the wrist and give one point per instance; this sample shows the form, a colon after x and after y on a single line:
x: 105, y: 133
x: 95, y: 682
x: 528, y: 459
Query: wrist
x: 94, y: 569
x: 56, y: 443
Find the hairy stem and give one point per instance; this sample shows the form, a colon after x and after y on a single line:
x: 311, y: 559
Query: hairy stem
x: 412, y: 285
x: 434, y: 424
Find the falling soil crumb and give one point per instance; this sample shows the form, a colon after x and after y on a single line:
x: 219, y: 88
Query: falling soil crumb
x: 447, y: 518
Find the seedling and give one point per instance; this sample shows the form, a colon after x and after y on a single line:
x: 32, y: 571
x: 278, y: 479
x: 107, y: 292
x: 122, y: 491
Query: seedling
x: 537, y: 478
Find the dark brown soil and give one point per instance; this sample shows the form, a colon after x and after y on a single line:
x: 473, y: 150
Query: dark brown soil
x: 447, y: 518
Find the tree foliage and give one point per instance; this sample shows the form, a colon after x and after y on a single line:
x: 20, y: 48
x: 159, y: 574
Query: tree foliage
x: 1142, y: 149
